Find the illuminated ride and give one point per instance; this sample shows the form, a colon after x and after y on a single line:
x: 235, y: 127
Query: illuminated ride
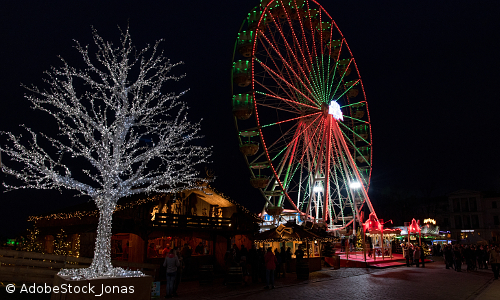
x: 301, y: 113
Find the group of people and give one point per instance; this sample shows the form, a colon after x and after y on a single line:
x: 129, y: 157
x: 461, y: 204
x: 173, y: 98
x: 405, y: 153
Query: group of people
x: 414, y: 255
x: 279, y: 261
x: 261, y: 265
x: 473, y: 257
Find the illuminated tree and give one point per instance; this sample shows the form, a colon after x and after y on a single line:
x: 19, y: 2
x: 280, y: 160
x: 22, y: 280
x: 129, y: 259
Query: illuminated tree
x: 359, y: 239
x: 114, y: 117
x: 61, y: 244
x: 32, y: 242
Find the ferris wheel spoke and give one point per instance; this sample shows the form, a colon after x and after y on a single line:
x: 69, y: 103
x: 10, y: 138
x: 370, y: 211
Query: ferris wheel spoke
x: 297, y: 43
x: 313, y: 61
x: 295, y: 58
x: 291, y: 101
x: 334, y: 69
x: 289, y: 162
x: 277, y: 76
x: 355, y: 119
x: 359, y: 153
x: 342, y: 76
x: 349, y: 88
x: 297, y: 134
x: 288, y: 47
x: 280, y: 69
x: 333, y: 78
x: 354, y: 168
x: 278, y: 104
x: 287, y: 65
x: 276, y: 107
x: 303, y: 46
x: 309, y: 141
x: 311, y: 28
x: 318, y: 61
x: 355, y: 134
x: 293, y: 119
x: 362, y: 102
x: 282, y: 138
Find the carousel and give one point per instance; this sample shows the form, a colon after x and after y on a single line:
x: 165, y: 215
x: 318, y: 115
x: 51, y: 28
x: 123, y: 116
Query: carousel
x: 381, y: 238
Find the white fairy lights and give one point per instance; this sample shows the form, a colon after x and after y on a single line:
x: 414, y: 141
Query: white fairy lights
x: 106, y: 125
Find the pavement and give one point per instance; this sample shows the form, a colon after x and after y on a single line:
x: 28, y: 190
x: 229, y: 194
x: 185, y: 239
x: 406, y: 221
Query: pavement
x: 401, y: 282
x: 393, y: 282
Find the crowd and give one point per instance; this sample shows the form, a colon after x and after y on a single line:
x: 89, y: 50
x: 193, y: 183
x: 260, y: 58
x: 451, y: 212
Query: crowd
x: 261, y: 265
x: 473, y: 257
x: 414, y: 255
x: 264, y: 265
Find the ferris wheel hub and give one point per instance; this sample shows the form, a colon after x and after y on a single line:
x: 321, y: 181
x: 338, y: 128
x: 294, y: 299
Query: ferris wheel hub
x: 334, y: 110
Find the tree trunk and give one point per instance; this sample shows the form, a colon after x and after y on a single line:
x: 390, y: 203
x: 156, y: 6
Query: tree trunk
x: 101, y: 264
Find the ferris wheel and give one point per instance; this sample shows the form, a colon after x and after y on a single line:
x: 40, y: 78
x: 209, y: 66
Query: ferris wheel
x: 301, y: 113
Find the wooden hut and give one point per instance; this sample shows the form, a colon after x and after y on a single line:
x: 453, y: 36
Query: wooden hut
x: 202, y: 221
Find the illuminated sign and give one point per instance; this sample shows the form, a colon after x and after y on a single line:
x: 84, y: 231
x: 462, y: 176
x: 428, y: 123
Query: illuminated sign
x: 430, y: 221
x: 334, y: 110
x: 467, y: 230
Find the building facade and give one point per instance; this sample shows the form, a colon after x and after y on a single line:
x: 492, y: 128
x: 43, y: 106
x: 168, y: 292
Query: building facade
x: 472, y: 214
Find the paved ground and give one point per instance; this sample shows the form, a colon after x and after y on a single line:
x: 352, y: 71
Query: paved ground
x: 432, y: 282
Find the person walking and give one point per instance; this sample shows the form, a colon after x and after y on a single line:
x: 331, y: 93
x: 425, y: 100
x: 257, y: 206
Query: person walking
x: 495, y: 260
x: 299, y: 253
x: 288, y: 258
x: 457, y: 257
x: 270, y: 261
x: 172, y: 263
x: 283, y: 261
x: 416, y: 256
x: 485, y: 256
x: 278, y: 264
x: 448, y: 256
x: 479, y: 256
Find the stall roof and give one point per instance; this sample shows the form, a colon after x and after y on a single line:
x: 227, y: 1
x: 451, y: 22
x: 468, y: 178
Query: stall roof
x: 211, y: 197
x: 289, y: 232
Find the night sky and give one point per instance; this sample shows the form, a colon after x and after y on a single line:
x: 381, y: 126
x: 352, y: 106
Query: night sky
x: 430, y: 71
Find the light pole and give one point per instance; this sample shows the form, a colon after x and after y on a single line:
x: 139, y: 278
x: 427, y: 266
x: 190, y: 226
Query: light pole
x: 354, y: 185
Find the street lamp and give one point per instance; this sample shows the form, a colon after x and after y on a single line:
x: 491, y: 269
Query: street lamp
x: 355, y: 185
x: 318, y: 189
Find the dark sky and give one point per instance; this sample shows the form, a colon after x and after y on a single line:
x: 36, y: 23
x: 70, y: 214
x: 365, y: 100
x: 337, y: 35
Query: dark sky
x: 430, y: 71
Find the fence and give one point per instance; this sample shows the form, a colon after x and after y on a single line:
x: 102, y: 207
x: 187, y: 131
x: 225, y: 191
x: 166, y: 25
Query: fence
x: 32, y: 267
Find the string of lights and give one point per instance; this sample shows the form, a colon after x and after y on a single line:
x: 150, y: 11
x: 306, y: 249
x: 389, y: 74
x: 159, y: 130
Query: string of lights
x: 95, y: 213
x: 92, y: 213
